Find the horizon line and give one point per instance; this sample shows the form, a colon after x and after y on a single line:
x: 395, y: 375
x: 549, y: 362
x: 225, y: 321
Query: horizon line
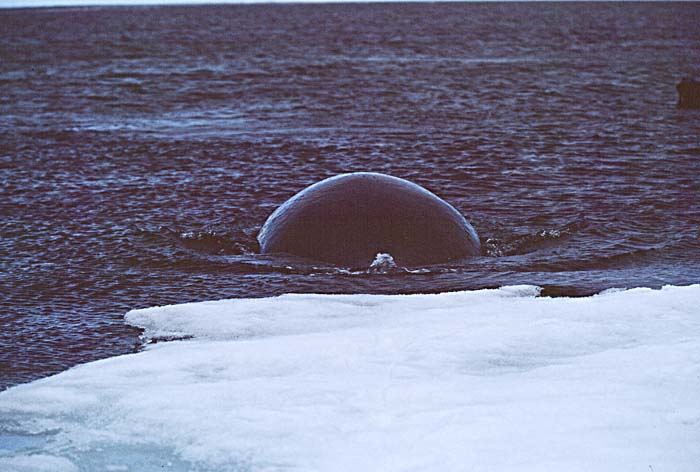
x: 28, y: 4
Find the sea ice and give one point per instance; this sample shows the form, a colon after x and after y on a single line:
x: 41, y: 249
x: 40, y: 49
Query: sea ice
x: 489, y: 380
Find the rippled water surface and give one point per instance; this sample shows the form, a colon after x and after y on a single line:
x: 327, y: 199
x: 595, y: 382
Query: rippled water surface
x: 142, y: 148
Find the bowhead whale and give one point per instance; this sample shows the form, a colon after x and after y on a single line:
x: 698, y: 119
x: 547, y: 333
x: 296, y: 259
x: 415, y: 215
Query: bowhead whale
x: 348, y: 219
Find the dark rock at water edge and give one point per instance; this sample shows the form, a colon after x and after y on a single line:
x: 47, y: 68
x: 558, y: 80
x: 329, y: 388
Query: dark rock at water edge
x: 688, y: 93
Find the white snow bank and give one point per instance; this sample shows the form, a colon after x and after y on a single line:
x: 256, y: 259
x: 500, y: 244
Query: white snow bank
x: 492, y: 380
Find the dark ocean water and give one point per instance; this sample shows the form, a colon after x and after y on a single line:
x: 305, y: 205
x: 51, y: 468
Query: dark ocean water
x: 142, y: 148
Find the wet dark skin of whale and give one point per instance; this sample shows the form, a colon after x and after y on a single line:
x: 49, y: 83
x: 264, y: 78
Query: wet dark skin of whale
x: 348, y: 219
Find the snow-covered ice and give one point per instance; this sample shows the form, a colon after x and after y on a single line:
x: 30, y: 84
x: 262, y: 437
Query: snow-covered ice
x: 490, y: 380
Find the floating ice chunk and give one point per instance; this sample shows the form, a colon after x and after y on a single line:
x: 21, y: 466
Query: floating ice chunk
x: 490, y: 380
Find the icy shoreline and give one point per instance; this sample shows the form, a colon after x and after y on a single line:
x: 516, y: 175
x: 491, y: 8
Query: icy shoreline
x: 490, y: 380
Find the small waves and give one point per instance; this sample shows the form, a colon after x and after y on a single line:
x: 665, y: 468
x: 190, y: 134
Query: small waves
x: 570, y: 247
x: 516, y: 244
x: 211, y: 242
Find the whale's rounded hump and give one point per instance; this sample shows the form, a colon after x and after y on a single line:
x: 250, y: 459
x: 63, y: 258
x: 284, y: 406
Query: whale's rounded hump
x: 348, y: 219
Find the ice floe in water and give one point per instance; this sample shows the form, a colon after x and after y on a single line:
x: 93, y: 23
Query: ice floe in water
x: 491, y: 380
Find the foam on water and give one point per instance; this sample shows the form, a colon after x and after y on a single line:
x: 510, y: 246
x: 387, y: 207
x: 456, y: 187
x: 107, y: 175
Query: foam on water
x: 476, y: 380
